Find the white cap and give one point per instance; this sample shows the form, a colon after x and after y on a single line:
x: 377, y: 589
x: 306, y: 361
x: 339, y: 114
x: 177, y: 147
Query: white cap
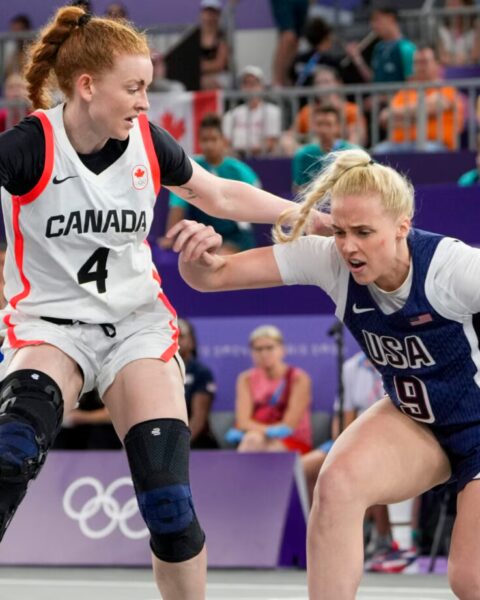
x: 252, y: 70
x: 214, y: 4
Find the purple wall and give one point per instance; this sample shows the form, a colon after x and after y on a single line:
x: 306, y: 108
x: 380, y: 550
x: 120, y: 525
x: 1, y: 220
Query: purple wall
x: 251, y: 14
x: 82, y: 511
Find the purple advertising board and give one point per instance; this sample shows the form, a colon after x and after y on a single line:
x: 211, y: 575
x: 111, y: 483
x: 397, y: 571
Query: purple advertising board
x: 82, y: 510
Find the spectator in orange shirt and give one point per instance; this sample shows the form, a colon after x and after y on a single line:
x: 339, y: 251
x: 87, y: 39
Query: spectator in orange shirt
x: 444, y: 107
x: 354, y: 124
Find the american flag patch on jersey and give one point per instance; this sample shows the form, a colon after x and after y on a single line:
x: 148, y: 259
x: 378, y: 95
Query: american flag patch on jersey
x: 421, y: 319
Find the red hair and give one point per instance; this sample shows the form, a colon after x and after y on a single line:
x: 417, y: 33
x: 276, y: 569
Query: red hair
x: 73, y: 43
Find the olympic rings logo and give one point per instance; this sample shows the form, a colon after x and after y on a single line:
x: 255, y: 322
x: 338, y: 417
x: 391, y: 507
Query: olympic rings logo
x: 103, y: 500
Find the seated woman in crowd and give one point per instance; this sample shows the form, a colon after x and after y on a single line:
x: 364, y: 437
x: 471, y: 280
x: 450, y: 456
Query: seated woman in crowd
x: 273, y: 399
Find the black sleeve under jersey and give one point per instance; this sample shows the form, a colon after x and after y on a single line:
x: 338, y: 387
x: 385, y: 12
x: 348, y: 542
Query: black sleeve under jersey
x: 175, y: 166
x: 22, y: 156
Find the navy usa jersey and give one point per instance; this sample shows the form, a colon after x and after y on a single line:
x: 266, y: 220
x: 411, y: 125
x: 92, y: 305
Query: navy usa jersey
x: 426, y: 360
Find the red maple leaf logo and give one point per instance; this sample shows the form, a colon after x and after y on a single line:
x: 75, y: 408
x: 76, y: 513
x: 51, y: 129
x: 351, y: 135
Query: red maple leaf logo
x: 139, y: 172
x: 176, y: 127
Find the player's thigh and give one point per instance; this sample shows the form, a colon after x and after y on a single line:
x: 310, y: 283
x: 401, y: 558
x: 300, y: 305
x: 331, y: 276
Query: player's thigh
x: 386, y: 456
x: 56, y: 364
x: 464, y: 547
x: 146, y: 389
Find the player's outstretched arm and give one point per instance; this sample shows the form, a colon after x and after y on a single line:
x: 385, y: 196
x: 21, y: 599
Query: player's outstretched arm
x: 238, y: 201
x: 206, y: 271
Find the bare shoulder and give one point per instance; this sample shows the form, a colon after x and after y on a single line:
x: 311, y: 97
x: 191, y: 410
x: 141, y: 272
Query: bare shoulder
x: 301, y: 376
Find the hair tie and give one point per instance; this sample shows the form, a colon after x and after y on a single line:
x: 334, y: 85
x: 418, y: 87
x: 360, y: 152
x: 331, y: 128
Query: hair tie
x: 367, y: 164
x: 84, y: 19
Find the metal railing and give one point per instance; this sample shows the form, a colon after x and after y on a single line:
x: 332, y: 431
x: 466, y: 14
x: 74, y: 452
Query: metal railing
x: 371, y: 97
x: 370, y: 100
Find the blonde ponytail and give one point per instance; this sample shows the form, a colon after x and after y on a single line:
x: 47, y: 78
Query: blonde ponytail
x: 349, y: 172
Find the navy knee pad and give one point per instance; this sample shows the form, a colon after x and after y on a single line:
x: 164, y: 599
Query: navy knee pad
x: 157, y: 452
x: 31, y: 410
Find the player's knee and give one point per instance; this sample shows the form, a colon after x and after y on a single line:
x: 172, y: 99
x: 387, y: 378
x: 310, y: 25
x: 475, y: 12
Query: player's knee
x: 464, y: 579
x: 31, y: 410
x: 158, y: 453
x: 336, y: 486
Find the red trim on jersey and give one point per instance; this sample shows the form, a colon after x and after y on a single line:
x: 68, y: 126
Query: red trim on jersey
x: 172, y: 349
x: 156, y: 276
x: 33, y: 194
x: 48, y: 165
x: 150, y: 149
x: 12, y: 338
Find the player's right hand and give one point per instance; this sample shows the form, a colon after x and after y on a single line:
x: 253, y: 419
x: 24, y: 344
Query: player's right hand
x: 195, y: 242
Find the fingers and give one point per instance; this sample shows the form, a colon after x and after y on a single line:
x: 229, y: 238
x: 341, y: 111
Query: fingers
x: 192, y: 239
x: 319, y: 223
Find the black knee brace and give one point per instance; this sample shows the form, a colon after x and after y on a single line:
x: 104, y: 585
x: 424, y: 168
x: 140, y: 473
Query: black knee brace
x: 157, y: 452
x: 31, y: 410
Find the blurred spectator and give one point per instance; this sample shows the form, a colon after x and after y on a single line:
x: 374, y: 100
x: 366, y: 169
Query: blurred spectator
x: 392, y: 57
x: 308, y: 160
x: 116, y: 10
x: 236, y: 236
x: 472, y: 177
x: 200, y: 389
x: 458, y: 37
x: 444, y: 111
x: 319, y: 35
x: 273, y: 399
x: 16, y: 50
x: 255, y: 126
x: 88, y: 427
x: 354, y: 125
x: 214, y: 51
x: 14, y: 90
x: 290, y: 17
x: 160, y: 83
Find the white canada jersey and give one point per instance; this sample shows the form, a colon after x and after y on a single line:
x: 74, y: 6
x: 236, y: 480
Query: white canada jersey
x: 77, y: 241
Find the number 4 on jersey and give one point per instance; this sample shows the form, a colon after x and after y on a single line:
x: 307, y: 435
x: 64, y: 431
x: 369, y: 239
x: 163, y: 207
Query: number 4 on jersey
x: 95, y: 269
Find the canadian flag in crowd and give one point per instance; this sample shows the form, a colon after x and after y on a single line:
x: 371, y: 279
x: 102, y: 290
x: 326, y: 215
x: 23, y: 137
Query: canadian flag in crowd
x: 180, y: 114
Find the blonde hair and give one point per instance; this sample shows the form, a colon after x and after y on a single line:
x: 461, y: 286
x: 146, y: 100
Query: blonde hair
x: 349, y: 172
x: 268, y: 331
x: 72, y: 43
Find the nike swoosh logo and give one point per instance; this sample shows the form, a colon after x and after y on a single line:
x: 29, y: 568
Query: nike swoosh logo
x: 359, y: 311
x: 56, y: 181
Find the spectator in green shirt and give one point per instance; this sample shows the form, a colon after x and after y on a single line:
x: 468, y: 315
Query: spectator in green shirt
x: 472, y: 177
x: 392, y: 57
x: 236, y: 236
x: 308, y: 160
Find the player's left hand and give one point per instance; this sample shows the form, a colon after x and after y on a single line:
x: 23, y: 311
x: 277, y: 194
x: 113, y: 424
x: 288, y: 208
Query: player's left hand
x: 195, y: 242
